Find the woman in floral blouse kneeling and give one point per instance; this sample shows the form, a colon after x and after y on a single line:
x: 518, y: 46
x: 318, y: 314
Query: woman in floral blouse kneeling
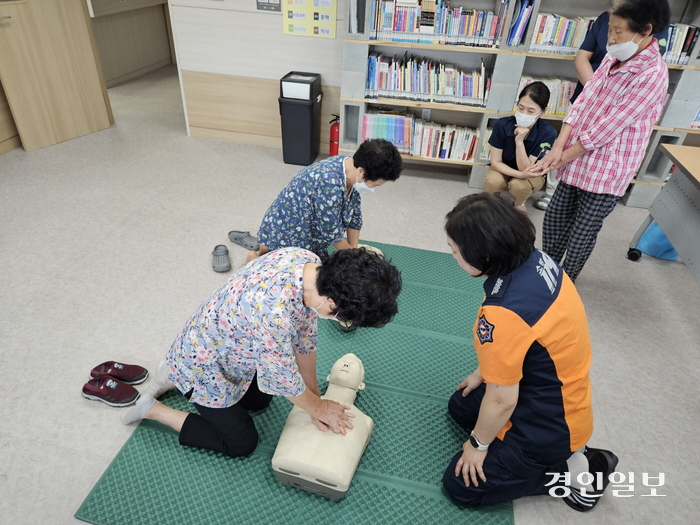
x: 255, y: 337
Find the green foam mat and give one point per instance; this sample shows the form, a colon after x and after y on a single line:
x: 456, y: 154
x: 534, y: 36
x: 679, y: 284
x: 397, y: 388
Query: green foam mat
x: 412, y: 367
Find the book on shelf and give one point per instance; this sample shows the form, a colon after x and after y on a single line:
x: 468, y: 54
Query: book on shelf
x: 435, y: 22
x: 560, y: 92
x: 485, y: 152
x: 352, y: 17
x: 559, y: 35
x: 682, y: 41
x: 392, y: 124
x: 696, y: 121
x: 422, y: 79
x: 692, y: 47
x: 439, y: 141
x: 419, y: 138
x: 521, y: 17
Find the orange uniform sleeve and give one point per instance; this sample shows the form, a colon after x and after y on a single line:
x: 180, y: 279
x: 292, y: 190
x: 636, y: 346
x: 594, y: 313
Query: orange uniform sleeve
x: 501, y: 340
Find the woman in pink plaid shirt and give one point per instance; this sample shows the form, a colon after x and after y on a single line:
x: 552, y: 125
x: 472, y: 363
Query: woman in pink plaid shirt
x: 605, y: 135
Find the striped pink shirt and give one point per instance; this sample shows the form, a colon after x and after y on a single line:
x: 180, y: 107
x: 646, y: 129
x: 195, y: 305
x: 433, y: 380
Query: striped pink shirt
x: 613, y: 118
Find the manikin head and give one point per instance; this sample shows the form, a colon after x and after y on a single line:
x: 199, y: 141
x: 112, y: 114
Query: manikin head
x: 348, y: 372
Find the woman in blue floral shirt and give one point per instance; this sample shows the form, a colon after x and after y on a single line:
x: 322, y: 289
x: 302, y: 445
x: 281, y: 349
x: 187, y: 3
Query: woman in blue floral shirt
x: 255, y: 337
x: 321, y: 204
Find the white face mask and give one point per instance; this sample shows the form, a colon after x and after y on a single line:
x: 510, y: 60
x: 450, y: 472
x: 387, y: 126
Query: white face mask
x: 361, y: 186
x: 625, y: 50
x: 525, y: 121
x: 334, y: 318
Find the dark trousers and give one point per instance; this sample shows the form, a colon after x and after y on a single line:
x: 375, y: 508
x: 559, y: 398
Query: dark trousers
x: 229, y: 430
x: 510, y: 473
x: 571, y: 225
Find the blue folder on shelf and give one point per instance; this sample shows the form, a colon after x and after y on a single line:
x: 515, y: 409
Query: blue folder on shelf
x: 517, y: 28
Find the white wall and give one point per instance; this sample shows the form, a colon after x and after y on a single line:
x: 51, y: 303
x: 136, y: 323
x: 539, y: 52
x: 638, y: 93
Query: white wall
x: 231, y: 37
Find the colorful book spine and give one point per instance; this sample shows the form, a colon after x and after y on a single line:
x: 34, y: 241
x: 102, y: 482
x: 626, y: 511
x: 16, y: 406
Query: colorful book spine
x: 416, y: 137
x: 682, y: 42
x: 696, y: 121
x: 560, y: 92
x: 435, y: 23
x: 423, y: 79
x: 693, y: 47
x: 559, y: 35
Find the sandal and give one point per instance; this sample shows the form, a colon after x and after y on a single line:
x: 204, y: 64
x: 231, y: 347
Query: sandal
x: 244, y: 239
x: 543, y: 203
x: 220, y: 262
x: 346, y: 326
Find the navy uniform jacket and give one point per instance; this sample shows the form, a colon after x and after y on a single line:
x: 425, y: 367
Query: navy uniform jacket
x: 541, y: 136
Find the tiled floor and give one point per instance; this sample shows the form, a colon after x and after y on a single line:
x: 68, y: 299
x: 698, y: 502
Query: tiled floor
x: 105, y: 248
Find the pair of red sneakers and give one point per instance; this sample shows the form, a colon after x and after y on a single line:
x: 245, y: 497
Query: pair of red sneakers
x: 112, y: 383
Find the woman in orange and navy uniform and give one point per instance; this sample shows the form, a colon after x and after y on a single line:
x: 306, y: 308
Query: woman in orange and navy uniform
x: 527, y: 406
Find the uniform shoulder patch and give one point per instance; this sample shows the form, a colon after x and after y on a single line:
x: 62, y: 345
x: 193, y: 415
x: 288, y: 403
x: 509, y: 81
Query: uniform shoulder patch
x: 484, y: 330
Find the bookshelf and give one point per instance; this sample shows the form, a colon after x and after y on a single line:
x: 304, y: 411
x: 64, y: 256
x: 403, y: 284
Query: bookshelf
x: 497, y: 62
x: 428, y: 160
x: 435, y: 47
x: 505, y: 65
x: 417, y: 104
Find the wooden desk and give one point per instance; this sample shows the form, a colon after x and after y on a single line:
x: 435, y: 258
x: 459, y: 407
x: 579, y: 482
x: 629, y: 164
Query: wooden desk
x: 686, y: 158
x: 677, y: 207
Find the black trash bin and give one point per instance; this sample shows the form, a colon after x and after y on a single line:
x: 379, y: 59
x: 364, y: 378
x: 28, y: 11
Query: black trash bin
x: 300, y: 112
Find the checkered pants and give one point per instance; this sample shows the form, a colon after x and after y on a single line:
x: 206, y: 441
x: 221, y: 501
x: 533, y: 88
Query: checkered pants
x: 571, y: 224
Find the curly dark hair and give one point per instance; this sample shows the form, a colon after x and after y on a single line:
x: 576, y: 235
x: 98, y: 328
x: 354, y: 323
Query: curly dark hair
x: 363, y: 286
x: 643, y: 15
x: 379, y: 158
x: 492, y: 236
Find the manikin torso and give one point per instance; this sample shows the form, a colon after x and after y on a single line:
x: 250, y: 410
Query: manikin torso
x: 324, y: 459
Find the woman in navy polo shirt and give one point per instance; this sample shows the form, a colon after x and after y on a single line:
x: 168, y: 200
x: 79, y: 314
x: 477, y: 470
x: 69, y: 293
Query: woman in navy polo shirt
x: 517, y: 143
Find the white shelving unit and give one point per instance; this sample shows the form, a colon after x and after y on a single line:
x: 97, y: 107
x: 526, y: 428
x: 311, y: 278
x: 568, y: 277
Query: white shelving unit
x: 505, y: 66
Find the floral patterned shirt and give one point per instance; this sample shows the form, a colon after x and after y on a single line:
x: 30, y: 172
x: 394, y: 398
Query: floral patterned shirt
x: 314, y: 210
x: 256, y: 322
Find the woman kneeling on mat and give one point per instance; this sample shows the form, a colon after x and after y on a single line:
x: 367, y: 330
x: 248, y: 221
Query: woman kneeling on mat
x: 516, y: 144
x: 527, y: 406
x: 321, y: 205
x: 255, y: 337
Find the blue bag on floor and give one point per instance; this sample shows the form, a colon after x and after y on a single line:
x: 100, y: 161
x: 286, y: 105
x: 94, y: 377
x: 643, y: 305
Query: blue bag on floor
x: 655, y: 243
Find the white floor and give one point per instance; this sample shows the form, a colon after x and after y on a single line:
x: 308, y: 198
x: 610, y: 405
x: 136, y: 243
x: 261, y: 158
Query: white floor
x: 105, y: 246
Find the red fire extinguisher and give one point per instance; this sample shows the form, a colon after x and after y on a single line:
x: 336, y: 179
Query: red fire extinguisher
x: 335, y: 135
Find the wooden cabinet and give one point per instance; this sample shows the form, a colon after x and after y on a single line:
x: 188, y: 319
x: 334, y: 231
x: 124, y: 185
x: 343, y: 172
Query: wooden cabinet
x: 133, y: 37
x: 9, y: 137
x: 50, y: 72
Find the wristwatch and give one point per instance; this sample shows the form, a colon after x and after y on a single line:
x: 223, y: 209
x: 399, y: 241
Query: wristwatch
x: 476, y: 443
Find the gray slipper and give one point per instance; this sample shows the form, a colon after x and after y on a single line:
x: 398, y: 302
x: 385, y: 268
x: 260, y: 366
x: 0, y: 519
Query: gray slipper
x: 220, y: 261
x: 244, y: 239
x: 543, y: 203
x: 346, y: 326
